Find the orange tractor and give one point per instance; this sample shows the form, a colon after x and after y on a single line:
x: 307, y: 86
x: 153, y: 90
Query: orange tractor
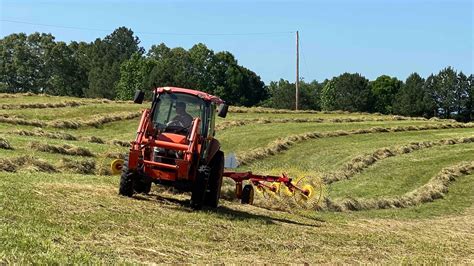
x: 175, y: 146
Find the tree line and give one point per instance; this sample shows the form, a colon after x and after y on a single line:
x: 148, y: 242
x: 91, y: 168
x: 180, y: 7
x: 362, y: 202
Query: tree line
x: 115, y: 66
x: 448, y: 94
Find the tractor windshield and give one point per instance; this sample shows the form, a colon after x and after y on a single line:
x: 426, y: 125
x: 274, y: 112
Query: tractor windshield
x: 175, y: 112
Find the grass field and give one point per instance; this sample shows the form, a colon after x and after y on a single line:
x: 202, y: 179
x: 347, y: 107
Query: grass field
x: 52, y: 212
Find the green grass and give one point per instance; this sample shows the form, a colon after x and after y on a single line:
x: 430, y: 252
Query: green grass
x: 412, y: 171
x: 67, y: 218
x: 48, y: 114
x: 238, y: 139
x: 328, y: 154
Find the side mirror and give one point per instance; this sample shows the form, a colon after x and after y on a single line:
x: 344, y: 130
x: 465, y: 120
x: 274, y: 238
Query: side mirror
x: 222, y: 110
x: 139, y: 96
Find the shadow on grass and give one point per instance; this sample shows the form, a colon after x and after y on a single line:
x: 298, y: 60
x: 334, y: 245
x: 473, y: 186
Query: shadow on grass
x: 222, y: 211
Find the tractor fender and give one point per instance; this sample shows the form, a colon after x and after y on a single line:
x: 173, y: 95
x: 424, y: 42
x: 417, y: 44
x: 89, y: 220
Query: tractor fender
x: 214, y: 146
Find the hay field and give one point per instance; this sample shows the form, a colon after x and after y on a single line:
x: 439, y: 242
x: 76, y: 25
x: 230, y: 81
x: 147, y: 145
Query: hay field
x: 399, y: 190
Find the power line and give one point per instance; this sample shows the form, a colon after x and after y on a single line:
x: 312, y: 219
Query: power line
x: 148, y: 33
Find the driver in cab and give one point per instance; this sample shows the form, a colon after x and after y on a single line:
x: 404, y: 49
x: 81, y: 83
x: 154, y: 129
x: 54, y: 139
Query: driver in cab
x: 182, y: 118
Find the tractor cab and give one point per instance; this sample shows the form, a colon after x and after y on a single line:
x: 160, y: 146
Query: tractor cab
x: 175, y: 145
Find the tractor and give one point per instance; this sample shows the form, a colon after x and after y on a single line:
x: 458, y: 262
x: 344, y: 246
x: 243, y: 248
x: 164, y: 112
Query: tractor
x: 175, y: 146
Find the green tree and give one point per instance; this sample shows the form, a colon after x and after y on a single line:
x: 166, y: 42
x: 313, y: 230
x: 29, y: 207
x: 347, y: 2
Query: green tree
x: 133, y: 76
x: 349, y: 92
x: 441, y: 89
x: 384, y: 89
x: 282, y: 95
x: 461, y: 98
x: 25, y: 61
x: 410, y: 99
x: 64, y: 76
x: 470, y: 101
x: 106, y: 56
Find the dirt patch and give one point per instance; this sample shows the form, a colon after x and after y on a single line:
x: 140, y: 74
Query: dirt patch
x: 436, y: 188
x: 64, y: 149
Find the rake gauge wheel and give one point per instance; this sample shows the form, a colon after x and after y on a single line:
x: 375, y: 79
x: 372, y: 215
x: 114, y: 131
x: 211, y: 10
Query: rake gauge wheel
x: 247, y: 194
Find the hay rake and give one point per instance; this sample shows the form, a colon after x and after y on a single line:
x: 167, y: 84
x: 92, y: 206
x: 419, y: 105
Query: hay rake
x: 304, y: 193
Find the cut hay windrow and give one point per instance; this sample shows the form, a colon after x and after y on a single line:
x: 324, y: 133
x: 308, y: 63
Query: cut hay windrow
x: 95, y: 121
x: 42, y: 105
x: 4, y: 144
x: 41, y: 133
x: 235, y: 123
x: 86, y: 167
x: 120, y: 143
x: 263, y: 110
x: 359, y: 163
x: 21, y: 121
x: 435, y: 188
x: 26, y: 163
x: 115, y: 155
x: 94, y: 139
x: 283, y: 144
x: 63, y: 149
x: 5, y: 95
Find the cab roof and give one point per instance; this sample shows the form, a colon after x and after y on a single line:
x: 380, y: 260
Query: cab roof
x: 200, y: 94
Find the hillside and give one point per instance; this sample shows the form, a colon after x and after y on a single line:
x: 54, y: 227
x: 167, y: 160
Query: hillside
x: 398, y: 189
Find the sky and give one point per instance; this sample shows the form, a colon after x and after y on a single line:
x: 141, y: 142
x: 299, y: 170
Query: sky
x: 371, y: 37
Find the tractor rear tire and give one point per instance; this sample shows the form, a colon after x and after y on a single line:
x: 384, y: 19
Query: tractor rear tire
x: 247, y: 195
x: 213, y: 193
x: 199, y: 190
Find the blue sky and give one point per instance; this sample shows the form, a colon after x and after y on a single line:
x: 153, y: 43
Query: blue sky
x: 372, y: 37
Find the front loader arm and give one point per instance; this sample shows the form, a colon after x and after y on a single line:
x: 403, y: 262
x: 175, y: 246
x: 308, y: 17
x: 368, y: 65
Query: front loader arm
x: 135, y: 151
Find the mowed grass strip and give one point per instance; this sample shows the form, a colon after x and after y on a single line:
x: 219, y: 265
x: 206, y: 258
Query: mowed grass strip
x: 360, y: 163
x: 93, y: 121
x: 81, y: 219
x: 248, y: 137
x: 398, y: 175
x: 66, y: 113
x: 435, y: 188
x: 235, y: 123
x: 321, y: 156
x: 285, y: 143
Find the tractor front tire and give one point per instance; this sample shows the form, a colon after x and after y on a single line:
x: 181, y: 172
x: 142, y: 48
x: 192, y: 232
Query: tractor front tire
x: 131, y: 182
x: 213, y: 193
x: 199, y: 188
x: 126, y: 184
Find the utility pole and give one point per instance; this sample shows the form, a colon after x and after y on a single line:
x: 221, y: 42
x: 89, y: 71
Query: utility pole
x: 297, y: 69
